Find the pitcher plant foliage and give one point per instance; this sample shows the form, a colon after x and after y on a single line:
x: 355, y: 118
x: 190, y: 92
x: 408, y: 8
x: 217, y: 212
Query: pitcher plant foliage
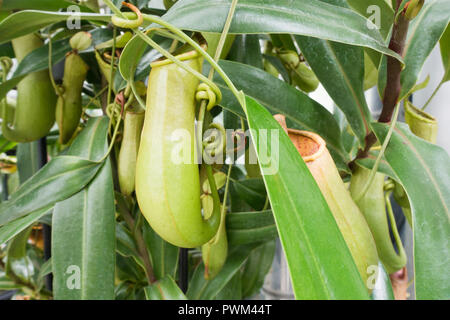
x: 161, y: 149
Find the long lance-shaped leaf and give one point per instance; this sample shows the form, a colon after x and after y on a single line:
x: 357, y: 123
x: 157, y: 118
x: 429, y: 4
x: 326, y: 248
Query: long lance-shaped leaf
x: 38, y: 59
x: 18, y: 263
x: 277, y: 96
x: 59, y: 179
x: 309, y: 18
x: 381, y: 14
x: 425, y: 31
x: 252, y: 191
x: 340, y: 69
x: 424, y: 171
x: 164, y: 289
x: 445, y: 52
x: 35, y: 61
x: 164, y: 256
x: 250, y: 227
x: 319, y: 260
x: 136, y: 57
x: 83, y: 227
x: 10, y: 5
x: 24, y: 22
x: 256, y: 268
x: 13, y: 228
x: 202, y: 289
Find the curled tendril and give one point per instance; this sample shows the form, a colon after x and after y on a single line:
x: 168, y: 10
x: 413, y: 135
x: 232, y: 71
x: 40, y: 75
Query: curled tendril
x: 215, y: 142
x: 132, y: 20
x: 389, y: 185
x: 204, y: 92
x: 113, y: 111
x: 6, y: 63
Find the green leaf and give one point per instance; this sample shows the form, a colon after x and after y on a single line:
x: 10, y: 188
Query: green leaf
x: 83, y: 227
x: 246, y: 49
x: 28, y: 160
x: 56, y: 5
x: 128, y: 270
x: 202, y: 289
x: 379, y: 12
x: 28, y: 21
x: 137, y: 56
x: 59, y: 179
x: 424, y: 33
x: 321, y: 267
x: 445, y: 52
x: 164, y: 256
x: 36, y: 60
x: 125, y: 244
x: 310, y: 18
x: 383, y: 167
x: 424, y: 171
x: 11, y: 229
x: 18, y: 264
x: 233, y: 289
x: 386, y: 13
x: 7, y: 284
x: 277, y: 96
x: 164, y: 289
x: 340, y: 69
x: 5, y: 144
x: 251, y: 191
x: 256, y: 268
x: 250, y: 227
x: 46, y: 269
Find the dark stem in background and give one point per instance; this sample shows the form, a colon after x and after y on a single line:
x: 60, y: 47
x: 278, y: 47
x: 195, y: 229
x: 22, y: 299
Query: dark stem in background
x: 5, y: 194
x: 393, y: 84
x: 46, y: 230
x: 183, y: 263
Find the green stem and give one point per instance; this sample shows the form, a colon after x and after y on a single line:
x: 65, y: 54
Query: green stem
x: 111, y: 76
x: 238, y: 94
x: 224, y: 205
x: 434, y: 93
x: 57, y: 89
x: 136, y: 94
x: 223, y: 37
x: 116, y: 130
x: 380, y: 155
x: 266, y: 204
x: 398, y: 241
x: 96, y: 96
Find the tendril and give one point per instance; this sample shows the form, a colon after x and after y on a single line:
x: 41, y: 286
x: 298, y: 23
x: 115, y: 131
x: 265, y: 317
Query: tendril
x: 204, y: 92
x: 130, y: 20
x: 120, y: 20
x: 113, y: 111
x: 6, y: 64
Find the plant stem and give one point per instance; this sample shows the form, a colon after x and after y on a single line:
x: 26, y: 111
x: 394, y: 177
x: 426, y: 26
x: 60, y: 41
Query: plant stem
x: 380, y: 155
x: 111, y: 76
x: 142, y: 249
x: 394, y: 68
x: 393, y: 83
x: 57, y: 89
x: 434, y: 93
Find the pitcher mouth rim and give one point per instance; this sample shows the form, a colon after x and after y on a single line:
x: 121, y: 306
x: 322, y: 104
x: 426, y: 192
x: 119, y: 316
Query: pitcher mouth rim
x: 419, y: 114
x: 316, y: 138
x: 185, y: 56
